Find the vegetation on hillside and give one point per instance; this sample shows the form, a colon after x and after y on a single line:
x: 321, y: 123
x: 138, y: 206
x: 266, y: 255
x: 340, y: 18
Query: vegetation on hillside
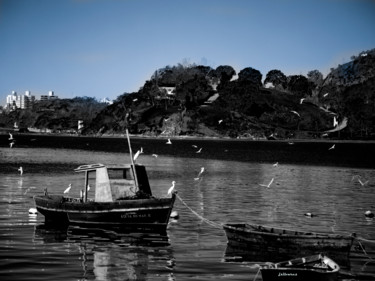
x: 202, y: 101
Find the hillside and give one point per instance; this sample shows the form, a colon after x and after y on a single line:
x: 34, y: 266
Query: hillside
x: 202, y: 101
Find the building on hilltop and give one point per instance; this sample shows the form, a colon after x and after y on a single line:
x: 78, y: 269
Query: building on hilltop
x: 51, y: 96
x: 15, y: 101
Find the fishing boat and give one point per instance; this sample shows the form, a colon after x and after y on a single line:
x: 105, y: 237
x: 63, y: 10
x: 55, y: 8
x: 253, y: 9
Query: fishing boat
x: 123, y: 199
x: 310, y: 268
x: 283, y: 244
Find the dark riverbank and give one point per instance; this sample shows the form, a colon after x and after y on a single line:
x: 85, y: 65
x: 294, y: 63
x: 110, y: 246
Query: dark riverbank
x: 358, y: 154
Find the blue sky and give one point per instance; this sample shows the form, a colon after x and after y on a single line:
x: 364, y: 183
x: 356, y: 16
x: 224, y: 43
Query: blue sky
x: 103, y: 48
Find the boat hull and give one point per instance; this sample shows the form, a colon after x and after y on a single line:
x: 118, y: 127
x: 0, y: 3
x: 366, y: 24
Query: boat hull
x: 311, y: 268
x: 280, y: 244
x: 297, y: 274
x: 139, y: 213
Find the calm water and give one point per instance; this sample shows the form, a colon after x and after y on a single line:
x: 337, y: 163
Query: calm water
x: 229, y: 191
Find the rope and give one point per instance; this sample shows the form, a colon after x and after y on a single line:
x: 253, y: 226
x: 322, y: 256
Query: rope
x: 363, y: 249
x: 214, y: 224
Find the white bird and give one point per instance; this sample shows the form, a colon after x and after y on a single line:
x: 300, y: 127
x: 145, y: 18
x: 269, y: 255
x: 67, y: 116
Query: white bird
x: 88, y: 187
x: 169, y: 141
x: 199, y: 151
x: 267, y: 185
x: 171, y: 188
x: 276, y: 164
x: 194, y: 146
x: 174, y: 215
x: 326, y: 94
x: 361, y: 182
x: 295, y: 112
x: 310, y: 215
x: 301, y: 100
x: 20, y: 169
x: 69, y: 187
x: 220, y: 121
x: 332, y: 147
x: 134, y: 100
x: 136, y: 155
x: 335, y: 123
x: 155, y: 155
x: 11, y: 144
x: 33, y: 211
x: 200, y: 173
x: 369, y: 214
x: 10, y: 136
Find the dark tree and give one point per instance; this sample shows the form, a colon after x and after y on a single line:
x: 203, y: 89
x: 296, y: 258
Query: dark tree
x: 277, y: 78
x: 250, y: 75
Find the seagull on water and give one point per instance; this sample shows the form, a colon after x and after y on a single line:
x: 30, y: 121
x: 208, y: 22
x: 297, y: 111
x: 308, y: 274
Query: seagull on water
x: 155, y: 155
x: 200, y: 173
x: 267, y: 185
x: 20, y: 169
x: 276, y: 164
x: 33, y: 211
x: 69, y: 187
x: 169, y: 141
x: 171, y: 188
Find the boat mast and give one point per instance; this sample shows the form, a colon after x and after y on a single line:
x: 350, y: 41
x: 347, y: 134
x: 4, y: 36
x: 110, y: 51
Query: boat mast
x: 132, y: 160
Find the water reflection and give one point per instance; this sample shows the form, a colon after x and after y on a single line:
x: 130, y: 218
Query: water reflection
x: 111, y: 254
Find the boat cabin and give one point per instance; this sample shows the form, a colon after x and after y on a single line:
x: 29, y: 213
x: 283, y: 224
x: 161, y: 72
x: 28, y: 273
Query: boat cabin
x: 116, y: 181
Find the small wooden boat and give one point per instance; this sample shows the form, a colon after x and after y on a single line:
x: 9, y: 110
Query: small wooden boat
x: 310, y: 268
x: 285, y: 244
x: 123, y: 199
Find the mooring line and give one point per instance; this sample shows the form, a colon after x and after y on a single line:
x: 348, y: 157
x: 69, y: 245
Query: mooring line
x: 214, y: 224
x: 363, y: 249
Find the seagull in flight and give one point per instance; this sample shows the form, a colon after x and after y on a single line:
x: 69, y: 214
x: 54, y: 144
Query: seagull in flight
x: 301, y: 100
x: 361, y: 182
x: 200, y: 173
x: 138, y: 153
x: 276, y: 164
x: 20, y: 169
x: 332, y: 147
x: 221, y: 120
x: 155, y: 155
x: 295, y: 112
x: 172, y: 187
x: 11, y: 144
x: 335, y: 123
x: 199, y: 151
x: 267, y: 185
x: 68, y: 189
x: 10, y: 136
x: 169, y: 141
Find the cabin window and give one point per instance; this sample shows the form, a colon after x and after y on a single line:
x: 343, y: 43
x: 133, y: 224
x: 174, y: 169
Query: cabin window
x: 114, y: 174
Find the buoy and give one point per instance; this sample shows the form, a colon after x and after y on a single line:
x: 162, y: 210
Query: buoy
x: 369, y: 214
x: 175, y: 215
x: 33, y: 211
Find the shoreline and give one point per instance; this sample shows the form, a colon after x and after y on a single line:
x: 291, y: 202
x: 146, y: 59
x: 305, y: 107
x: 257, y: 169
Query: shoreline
x: 203, y: 138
